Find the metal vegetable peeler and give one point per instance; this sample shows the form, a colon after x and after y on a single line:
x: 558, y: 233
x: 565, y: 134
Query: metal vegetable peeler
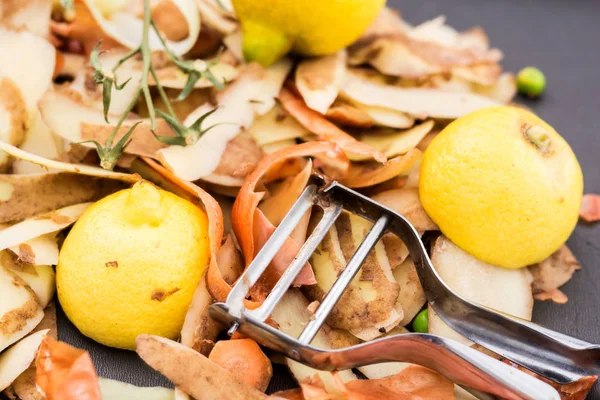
x: 558, y: 357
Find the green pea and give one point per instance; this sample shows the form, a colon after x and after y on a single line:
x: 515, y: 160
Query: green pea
x: 421, y: 322
x: 531, y: 82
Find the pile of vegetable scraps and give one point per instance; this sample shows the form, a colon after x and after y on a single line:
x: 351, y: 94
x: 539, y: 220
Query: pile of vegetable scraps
x: 144, y: 131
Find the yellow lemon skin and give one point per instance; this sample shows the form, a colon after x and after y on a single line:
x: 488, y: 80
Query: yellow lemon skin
x: 503, y: 185
x: 130, y: 265
x: 271, y: 28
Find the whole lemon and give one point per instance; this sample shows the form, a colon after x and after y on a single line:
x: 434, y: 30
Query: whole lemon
x: 130, y: 265
x: 270, y: 29
x: 503, y: 185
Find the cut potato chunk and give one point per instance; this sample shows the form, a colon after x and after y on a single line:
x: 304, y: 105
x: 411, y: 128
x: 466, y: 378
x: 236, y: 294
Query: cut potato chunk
x: 19, y: 357
x: 291, y: 315
x: 20, y: 310
x: 502, y: 289
x: 369, y: 299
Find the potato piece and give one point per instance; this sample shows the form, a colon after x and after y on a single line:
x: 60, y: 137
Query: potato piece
x: 40, y: 141
x: 420, y: 103
x: 19, y: 357
x: 23, y: 196
x: 24, y: 386
x: 412, y: 297
x: 552, y: 273
x: 13, y: 118
x: 393, y: 143
x: 20, y: 310
x: 502, y: 289
x: 319, y: 79
x: 40, y: 278
x: 368, y: 301
x: 40, y: 225
x: 275, y: 126
x: 406, y: 202
x: 291, y: 315
x: 32, y: 70
x: 395, y: 249
x: 191, y: 371
x: 199, y: 331
x: 116, y: 390
x: 382, y: 116
x: 41, y: 250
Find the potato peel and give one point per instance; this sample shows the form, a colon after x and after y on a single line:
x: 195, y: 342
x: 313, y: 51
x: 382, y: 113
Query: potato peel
x: 552, y: 273
x: 367, y: 174
x: 67, y: 167
x: 505, y: 290
x: 325, y: 130
x: 191, y: 371
x: 319, y: 79
x: 40, y: 225
x: 23, y: 196
x: 419, y: 102
x: 252, y: 93
x: 20, y: 310
x: 118, y: 27
x: 17, y: 358
x: 67, y: 116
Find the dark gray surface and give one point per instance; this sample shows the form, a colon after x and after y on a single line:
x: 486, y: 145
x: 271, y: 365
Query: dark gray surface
x: 561, y: 37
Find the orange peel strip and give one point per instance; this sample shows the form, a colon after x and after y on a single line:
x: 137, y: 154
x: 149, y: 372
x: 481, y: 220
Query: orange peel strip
x: 64, y: 372
x: 590, y: 208
x: 323, y: 128
x: 247, y: 200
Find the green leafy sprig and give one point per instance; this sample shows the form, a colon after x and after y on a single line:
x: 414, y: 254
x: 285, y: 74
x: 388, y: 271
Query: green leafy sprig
x: 196, y: 69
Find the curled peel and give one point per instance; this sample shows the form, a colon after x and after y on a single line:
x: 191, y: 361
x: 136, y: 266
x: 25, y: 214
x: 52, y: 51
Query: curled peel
x: 64, y: 372
x: 247, y: 201
x: 325, y: 130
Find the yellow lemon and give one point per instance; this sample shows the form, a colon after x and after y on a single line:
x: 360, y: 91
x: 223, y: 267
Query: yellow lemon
x: 271, y: 29
x: 503, y: 185
x: 130, y: 265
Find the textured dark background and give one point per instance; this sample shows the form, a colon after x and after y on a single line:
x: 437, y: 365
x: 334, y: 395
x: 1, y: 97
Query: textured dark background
x: 561, y: 37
